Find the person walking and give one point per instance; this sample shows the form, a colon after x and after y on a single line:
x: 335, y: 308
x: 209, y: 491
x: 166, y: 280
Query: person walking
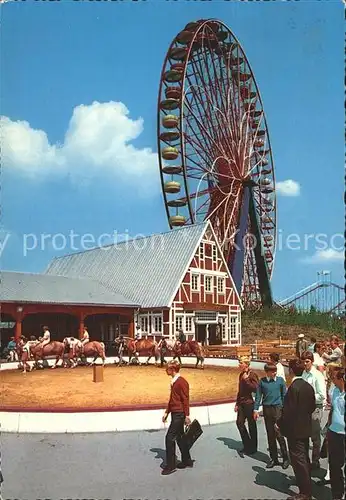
x: 270, y: 393
x: 163, y: 348
x: 248, y: 382
x: 120, y: 346
x: 296, y: 424
x: 317, y: 381
x: 331, y: 373
x: 25, y: 357
x: 336, y: 437
x: 178, y: 407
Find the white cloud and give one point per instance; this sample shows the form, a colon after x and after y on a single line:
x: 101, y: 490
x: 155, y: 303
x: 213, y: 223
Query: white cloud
x: 98, y: 137
x: 328, y: 255
x: 288, y: 188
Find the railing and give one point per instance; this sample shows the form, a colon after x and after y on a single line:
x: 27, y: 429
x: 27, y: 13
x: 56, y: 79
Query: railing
x: 226, y: 351
x: 284, y: 347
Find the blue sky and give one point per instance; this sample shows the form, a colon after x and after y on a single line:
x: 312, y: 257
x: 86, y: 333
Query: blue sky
x: 65, y: 171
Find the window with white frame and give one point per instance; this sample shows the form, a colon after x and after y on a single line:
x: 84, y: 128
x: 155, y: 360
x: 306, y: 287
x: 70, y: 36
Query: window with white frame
x: 221, y: 285
x: 195, y: 281
x: 214, y: 253
x: 179, y: 323
x: 233, y: 327
x: 157, y: 324
x: 201, y: 251
x: 144, y: 324
x: 222, y: 321
x: 188, y: 323
x: 208, y: 283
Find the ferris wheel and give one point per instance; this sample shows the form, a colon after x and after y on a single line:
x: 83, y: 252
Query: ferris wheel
x: 214, y: 152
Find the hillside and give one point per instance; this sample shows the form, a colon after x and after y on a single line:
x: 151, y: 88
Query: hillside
x: 274, y: 324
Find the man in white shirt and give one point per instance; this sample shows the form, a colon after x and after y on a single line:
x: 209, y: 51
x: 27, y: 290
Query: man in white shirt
x: 275, y: 358
x: 318, y: 362
x: 316, y: 379
x: 336, y: 354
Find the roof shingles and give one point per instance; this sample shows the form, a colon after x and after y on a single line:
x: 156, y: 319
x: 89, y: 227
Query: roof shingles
x: 50, y: 289
x: 146, y: 270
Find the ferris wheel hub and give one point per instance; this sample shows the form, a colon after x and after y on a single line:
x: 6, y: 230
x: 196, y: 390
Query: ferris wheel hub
x: 248, y: 182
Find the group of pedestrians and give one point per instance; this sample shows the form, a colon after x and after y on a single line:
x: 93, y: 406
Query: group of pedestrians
x: 293, y: 416
x: 270, y: 393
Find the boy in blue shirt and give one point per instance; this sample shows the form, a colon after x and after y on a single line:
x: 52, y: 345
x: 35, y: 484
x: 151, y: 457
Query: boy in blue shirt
x: 270, y: 393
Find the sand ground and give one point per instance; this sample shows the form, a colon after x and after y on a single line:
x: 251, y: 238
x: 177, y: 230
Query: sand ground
x: 128, y: 385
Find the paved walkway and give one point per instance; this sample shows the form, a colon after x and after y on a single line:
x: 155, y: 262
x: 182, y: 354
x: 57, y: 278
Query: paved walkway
x: 127, y: 465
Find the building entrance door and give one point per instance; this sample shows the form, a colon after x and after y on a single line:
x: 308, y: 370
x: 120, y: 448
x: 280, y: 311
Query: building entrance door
x: 201, y: 333
x: 214, y: 336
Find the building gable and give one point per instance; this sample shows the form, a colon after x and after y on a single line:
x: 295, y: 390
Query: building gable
x: 207, y: 279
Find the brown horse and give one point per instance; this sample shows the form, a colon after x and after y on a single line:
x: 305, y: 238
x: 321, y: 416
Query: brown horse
x: 188, y: 348
x: 54, y: 348
x: 143, y: 347
x: 93, y: 349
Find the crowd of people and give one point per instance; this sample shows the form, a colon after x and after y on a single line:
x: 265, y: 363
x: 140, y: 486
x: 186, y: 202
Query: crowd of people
x: 324, y: 352
x: 293, y: 416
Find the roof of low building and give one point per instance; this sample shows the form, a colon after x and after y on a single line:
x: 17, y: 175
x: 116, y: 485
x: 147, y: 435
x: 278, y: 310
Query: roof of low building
x: 147, y: 270
x: 51, y: 289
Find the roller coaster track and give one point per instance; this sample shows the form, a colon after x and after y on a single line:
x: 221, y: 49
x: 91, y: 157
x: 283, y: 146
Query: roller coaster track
x: 324, y: 296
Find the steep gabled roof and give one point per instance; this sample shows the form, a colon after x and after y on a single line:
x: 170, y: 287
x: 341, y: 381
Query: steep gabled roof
x: 50, y: 289
x: 146, y: 270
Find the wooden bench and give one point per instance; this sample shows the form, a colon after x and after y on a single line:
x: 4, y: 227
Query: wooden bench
x: 220, y: 351
x: 265, y: 349
x: 243, y: 351
x: 262, y: 352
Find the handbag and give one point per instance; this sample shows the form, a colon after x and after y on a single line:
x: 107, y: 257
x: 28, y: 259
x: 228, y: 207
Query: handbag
x: 192, y: 433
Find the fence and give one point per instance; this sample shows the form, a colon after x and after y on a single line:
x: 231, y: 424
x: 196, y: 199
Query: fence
x: 260, y: 350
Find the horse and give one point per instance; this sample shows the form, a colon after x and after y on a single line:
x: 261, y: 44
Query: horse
x: 141, y: 347
x: 185, y: 349
x: 92, y: 349
x: 54, y: 348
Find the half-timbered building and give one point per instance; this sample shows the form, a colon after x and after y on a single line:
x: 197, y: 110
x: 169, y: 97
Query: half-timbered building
x: 179, y: 278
